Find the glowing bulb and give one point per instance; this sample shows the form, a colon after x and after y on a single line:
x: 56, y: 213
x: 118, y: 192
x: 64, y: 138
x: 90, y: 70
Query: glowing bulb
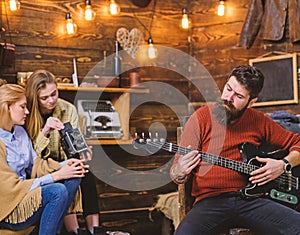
x: 89, y: 13
x: 114, y: 8
x: 184, y: 20
x: 221, y: 8
x: 71, y: 27
x: 152, y: 51
x: 14, y: 5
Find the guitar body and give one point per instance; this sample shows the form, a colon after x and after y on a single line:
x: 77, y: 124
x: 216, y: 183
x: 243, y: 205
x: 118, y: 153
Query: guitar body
x: 275, y: 190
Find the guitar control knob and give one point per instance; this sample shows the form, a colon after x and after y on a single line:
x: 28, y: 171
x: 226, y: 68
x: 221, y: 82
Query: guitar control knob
x: 276, y: 194
x: 289, y: 198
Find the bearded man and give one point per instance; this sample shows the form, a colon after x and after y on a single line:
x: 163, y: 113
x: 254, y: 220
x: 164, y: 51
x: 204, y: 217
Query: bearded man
x: 220, y: 132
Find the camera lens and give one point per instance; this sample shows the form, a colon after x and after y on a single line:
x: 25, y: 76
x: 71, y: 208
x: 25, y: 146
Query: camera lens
x: 75, y: 134
x: 79, y: 143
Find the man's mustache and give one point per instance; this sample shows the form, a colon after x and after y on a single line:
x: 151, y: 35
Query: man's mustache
x: 227, y: 103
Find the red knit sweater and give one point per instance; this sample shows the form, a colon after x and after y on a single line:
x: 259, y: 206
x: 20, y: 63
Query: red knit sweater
x: 205, y: 133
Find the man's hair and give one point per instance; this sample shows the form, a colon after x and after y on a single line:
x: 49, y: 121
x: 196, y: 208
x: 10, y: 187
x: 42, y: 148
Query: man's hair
x: 250, y: 77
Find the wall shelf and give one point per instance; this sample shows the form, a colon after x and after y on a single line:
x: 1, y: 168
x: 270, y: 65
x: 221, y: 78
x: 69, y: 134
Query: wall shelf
x: 106, y: 89
x: 120, y: 97
x: 108, y: 142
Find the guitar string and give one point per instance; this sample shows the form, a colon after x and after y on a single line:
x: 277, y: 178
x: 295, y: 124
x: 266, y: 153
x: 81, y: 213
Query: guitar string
x: 231, y: 164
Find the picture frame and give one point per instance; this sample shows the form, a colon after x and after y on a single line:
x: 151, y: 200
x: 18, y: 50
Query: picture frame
x: 281, y: 82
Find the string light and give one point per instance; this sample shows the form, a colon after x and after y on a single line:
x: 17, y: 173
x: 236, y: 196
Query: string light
x: 152, y: 51
x: 89, y: 13
x: 184, y: 19
x: 114, y: 8
x: 71, y: 27
x: 221, y: 8
x: 14, y: 5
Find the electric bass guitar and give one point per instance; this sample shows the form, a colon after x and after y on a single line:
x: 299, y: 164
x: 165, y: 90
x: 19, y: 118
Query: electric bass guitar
x: 284, y: 189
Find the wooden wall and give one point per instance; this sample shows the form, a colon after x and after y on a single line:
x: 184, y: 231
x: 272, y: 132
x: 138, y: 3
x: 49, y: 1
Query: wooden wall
x: 37, y: 31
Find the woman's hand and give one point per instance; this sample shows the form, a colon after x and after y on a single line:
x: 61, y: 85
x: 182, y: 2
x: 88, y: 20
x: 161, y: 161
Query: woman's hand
x: 52, y: 123
x: 73, y: 168
x: 87, y: 155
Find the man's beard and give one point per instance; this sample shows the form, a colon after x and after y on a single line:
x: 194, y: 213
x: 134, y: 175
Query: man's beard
x: 226, y: 113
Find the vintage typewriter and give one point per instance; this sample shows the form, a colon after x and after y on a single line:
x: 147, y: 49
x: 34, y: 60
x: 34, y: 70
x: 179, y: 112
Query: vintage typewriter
x: 102, y: 119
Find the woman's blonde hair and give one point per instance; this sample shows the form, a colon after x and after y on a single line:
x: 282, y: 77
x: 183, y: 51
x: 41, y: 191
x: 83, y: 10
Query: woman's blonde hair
x: 35, y: 83
x: 9, y: 94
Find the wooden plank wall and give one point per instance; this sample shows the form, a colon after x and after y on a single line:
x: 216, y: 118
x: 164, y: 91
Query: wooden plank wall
x: 37, y: 31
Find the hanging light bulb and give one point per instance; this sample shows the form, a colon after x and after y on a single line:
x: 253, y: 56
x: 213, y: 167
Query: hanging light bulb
x: 221, y: 8
x: 114, y: 8
x: 14, y: 5
x: 152, y: 51
x: 71, y: 27
x: 184, y: 19
x: 89, y: 13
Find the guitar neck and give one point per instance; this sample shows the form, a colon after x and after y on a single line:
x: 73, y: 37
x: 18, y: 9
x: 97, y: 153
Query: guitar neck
x: 241, y: 167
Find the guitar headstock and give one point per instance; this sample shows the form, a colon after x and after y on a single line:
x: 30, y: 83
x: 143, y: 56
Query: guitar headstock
x: 151, y: 145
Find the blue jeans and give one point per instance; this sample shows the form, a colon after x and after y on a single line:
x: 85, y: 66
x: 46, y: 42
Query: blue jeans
x: 261, y: 215
x: 56, y: 199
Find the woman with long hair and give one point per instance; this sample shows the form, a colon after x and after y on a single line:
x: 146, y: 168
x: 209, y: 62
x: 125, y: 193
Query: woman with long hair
x: 35, y: 191
x: 48, y: 113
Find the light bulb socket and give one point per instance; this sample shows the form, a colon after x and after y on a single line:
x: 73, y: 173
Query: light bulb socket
x: 68, y: 16
x: 184, y: 11
x: 88, y: 2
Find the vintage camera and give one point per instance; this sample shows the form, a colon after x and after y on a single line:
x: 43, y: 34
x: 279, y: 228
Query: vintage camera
x: 72, y: 141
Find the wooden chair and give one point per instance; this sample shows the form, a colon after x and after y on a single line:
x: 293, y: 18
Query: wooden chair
x: 185, y: 201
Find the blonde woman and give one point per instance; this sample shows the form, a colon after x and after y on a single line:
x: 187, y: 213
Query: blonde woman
x: 48, y: 113
x: 35, y: 191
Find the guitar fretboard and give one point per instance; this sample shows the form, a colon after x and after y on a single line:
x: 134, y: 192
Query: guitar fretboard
x: 241, y: 167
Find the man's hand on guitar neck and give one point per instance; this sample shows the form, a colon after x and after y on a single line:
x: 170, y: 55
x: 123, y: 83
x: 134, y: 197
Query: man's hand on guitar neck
x: 185, y: 164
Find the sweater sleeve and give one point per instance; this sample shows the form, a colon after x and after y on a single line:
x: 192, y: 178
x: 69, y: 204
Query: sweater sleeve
x: 276, y: 135
x: 41, y: 143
